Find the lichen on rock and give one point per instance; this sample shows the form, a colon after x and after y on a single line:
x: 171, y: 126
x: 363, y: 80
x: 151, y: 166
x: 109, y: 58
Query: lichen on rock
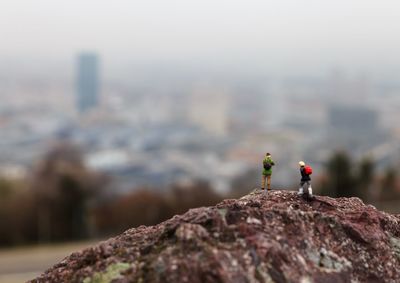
x: 395, y: 242
x: 112, y: 272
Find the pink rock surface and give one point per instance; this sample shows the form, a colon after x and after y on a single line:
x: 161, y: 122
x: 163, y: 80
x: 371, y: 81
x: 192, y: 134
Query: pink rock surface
x: 259, y: 238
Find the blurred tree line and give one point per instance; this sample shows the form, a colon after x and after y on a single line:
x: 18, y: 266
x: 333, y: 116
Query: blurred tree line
x: 346, y: 178
x: 52, y: 204
x: 62, y: 200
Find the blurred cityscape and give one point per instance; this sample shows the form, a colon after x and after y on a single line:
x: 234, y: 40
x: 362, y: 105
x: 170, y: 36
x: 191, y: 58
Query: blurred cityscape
x: 175, y: 127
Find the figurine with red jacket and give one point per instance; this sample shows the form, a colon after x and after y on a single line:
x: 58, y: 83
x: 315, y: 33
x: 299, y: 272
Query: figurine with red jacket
x: 305, y: 189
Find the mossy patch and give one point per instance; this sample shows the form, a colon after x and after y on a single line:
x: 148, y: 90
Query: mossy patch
x: 112, y: 272
x: 223, y: 212
x: 328, y: 260
x: 395, y: 242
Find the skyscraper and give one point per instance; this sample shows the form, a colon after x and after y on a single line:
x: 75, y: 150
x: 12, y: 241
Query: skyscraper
x: 87, y: 82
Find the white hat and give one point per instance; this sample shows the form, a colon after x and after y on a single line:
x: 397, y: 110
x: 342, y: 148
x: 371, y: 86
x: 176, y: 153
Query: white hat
x: 301, y: 163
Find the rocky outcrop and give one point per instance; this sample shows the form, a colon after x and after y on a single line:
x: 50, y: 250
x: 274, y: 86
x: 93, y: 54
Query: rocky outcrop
x: 277, y: 237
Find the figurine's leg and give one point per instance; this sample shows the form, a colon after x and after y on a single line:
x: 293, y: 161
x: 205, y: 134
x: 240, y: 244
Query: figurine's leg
x: 269, y: 182
x: 301, y: 188
x: 309, y: 189
x: 263, y: 182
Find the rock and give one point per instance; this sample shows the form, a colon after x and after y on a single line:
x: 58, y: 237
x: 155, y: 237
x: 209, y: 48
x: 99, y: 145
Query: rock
x: 252, y: 220
x: 187, y: 232
x: 274, y: 237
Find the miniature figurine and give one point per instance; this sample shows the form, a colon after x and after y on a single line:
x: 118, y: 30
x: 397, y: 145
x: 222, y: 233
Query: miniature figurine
x: 267, y: 171
x: 305, y: 171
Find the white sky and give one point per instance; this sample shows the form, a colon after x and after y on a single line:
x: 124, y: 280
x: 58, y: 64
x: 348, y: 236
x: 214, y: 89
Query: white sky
x: 281, y: 34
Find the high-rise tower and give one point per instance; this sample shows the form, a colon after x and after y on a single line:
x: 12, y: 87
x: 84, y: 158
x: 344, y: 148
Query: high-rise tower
x: 87, y: 82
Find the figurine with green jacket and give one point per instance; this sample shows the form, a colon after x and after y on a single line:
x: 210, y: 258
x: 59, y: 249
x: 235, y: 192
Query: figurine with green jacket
x: 267, y: 171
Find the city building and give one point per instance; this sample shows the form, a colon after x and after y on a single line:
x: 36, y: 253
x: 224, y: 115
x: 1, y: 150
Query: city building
x: 209, y: 109
x: 350, y: 121
x: 87, y: 83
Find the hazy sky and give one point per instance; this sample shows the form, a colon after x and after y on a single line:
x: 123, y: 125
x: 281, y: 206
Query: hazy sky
x: 281, y: 35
